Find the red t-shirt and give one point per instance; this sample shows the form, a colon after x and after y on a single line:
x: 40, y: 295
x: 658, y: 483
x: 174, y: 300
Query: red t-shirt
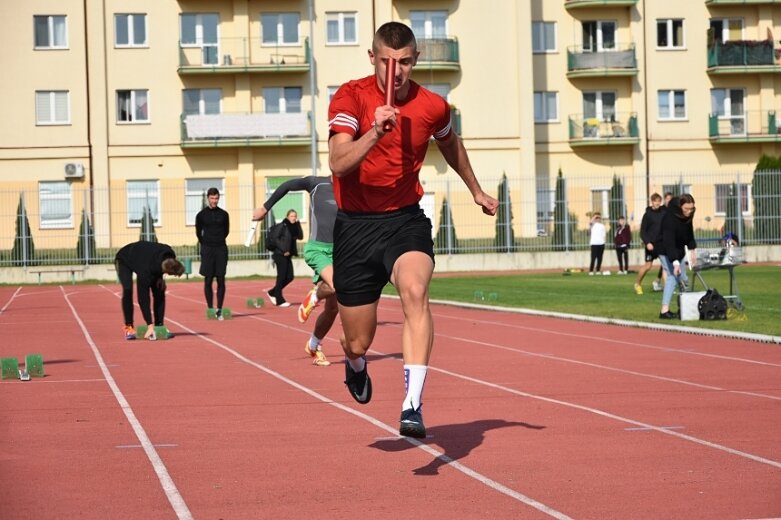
x: 387, y: 179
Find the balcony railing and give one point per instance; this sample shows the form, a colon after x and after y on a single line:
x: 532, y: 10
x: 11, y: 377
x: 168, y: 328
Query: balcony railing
x: 742, y: 2
x: 438, y: 54
x: 755, y: 126
x: 256, y: 129
x: 577, y: 4
x: 610, y: 130
x: 620, y: 61
x: 741, y: 56
x: 231, y: 55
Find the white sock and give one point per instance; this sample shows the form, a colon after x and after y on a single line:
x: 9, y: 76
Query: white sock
x: 314, y: 343
x: 414, y: 378
x: 357, y: 364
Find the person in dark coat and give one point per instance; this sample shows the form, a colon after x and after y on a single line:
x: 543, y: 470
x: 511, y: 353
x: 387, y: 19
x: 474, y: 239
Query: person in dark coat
x: 149, y: 261
x: 650, y: 230
x: 622, y: 240
x: 677, y: 234
x: 212, y: 226
x: 283, y: 236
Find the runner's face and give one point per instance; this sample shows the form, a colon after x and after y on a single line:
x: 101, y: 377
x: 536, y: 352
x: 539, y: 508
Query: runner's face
x: 213, y: 201
x: 405, y: 57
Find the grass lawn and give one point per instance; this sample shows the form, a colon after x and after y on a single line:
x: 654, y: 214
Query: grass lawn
x: 613, y: 296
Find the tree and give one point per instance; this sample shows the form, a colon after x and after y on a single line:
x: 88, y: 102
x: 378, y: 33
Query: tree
x: 85, y: 247
x: 446, y: 241
x: 731, y: 221
x: 617, y: 206
x: 23, y: 251
x: 504, y: 238
x: 562, y: 227
x: 147, y: 226
x: 766, y: 192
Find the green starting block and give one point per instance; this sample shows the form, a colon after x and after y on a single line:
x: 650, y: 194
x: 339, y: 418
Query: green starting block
x: 10, y: 368
x: 211, y: 314
x: 33, y: 364
x: 492, y: 297
x: 161, y: 332
x: 255, y: 303
x: 479, y: 296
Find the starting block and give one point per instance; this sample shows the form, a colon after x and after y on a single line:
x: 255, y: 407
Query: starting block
x: 255, y: 303
x: 161, y: 332
x: 493, y: 296
x: 33, y: 367
x: 211, y: 314
x: 10, y: 368
x: 479, y: 296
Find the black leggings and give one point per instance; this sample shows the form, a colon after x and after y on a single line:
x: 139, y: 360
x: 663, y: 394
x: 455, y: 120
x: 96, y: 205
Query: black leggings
x: 622, y: 253
x: 145, y: 285
x: 284, y: 276
x: 209, y: 293
x: 596, y: 257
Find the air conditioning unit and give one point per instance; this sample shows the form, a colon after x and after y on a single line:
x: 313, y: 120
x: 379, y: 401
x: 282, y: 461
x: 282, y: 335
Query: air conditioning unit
x: 74, y: 171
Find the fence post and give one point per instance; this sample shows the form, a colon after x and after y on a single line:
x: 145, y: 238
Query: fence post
x: 741, y: 236
x: 508, y: 235
x: 449, y: 223
x: 566, y: 215
x: 23, y: 230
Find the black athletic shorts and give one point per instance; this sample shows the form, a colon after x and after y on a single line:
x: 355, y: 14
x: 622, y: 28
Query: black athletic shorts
x: 214, y: 260
x: 650, y: 256
x: 367, y: 245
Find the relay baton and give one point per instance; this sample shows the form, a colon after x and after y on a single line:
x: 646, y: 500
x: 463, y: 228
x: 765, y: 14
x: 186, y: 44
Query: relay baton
x: 390, y: 90
x: 251, y: 233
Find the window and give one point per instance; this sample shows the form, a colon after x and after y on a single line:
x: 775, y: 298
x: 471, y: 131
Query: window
x: 130, y: 30
x: 195, y: 196
x: 331, y: 92
x: 132, y: 106
x: 669, y: 34
x: 201, y: 30
x: 293, y: 200
x: 672, y: 104
x: 726, y: 29
x: 56, y: 205
x: 599, y: 105
x: 725, y: 191
x: 546, y: 107
x: 543, y: 37
x: 546, y: 201
x: 52, y: 107
x: 280, y: 28
x: 442, y: 89
x: 341, y: 28
x: 200, y: 101
x: 429, y: 24
x: 600, y: 202
x: 142, y: 194
x: 599, y: 36
x: 51, y: 32
x: 282, y: 100
x: 676, y: 189
x: 727, y: 104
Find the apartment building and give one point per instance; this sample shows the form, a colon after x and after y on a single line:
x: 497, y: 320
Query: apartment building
x: 113, y: 107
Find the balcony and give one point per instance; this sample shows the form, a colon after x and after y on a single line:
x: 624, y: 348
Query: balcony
x: 742, y: 2
x: 239, y: 130
x: 619, y: 129
x: 742, y: 57
x: 240, y: 55
x: 756, y: 126
x: 438, y: 54
x: 580, y: 4
x: 620, y: 61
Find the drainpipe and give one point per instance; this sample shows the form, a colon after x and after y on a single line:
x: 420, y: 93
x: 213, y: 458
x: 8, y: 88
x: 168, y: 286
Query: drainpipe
x: 89, y: 122
x: 312, y: 86
x: 645, y: 101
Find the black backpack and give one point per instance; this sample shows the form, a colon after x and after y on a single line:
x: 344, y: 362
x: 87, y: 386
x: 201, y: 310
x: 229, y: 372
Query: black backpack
x: 273, y: 236
x: 712, y: 306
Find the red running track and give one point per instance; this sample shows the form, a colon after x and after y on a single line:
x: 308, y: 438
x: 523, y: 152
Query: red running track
x: 528, y: 417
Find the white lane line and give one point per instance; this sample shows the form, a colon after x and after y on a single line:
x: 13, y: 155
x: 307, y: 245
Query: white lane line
x: 128, y: 446
x: 16, y: 292
x: 492, y: 484
x: 649, y: 430
x: 167, y: 483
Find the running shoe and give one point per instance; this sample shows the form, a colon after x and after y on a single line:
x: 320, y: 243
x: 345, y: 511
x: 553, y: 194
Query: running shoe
x: 271, y: 297
x: 657, y: 285
x: 307, y: 306
x: 284, y: 304
x: 411, y: 424
x: 358, y: 383
x: 218, y: 314
x: 318, y: 358
x: 669, y: 315
x: 130, y: 332
x: 638, y: 289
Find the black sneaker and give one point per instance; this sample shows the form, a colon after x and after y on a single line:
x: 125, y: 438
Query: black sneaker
x: 358, y: 383
x: 668, y: 315
x: 412, y: 424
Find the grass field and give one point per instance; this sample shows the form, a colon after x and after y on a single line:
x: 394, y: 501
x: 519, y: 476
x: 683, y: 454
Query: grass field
x: 613, y: 297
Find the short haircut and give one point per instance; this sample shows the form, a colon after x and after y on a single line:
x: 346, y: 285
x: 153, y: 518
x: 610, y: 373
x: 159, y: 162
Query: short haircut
x: 656, y: 196
x: 212, y: 191
x: 173, y: 266
x: 395, y: 35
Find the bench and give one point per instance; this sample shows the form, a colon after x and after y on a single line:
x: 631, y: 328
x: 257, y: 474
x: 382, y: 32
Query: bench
x: 71, y: 270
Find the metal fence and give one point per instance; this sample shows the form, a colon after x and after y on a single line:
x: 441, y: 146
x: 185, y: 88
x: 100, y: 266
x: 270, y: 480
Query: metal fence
x: 60, y: 224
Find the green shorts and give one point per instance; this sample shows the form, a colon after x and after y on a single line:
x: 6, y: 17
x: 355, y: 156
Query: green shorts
x: 318, y: 256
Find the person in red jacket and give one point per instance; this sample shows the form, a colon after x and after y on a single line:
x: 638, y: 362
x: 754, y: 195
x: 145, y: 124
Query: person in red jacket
x: 622, y: 240
x: 381, y: 234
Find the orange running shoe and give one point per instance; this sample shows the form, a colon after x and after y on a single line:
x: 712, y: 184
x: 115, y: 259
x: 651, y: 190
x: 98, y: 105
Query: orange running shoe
x: 308, y: 305
x: 130, y: 332
x: 318, y: 358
